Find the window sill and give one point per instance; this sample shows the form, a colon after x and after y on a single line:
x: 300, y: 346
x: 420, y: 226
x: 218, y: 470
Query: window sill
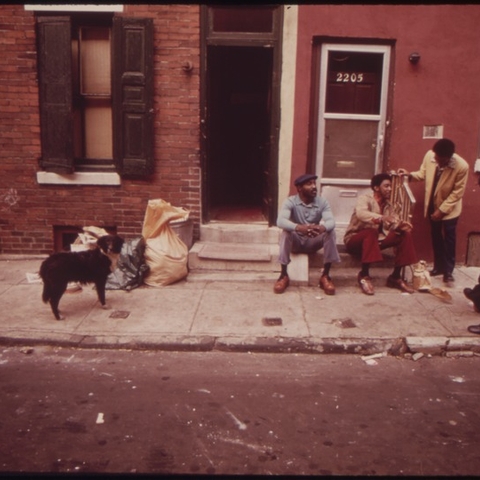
x: 79, y: 178
x: 74, y: 8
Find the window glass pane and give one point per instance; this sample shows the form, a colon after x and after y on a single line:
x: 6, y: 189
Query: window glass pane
x: 350, y: 147
x: 95, y: 60
x: 242, y: 19
x: 98, y: 128
x: 353, y: 83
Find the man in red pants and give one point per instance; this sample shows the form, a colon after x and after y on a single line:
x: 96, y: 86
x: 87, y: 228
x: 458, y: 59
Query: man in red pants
x: 373, y: 227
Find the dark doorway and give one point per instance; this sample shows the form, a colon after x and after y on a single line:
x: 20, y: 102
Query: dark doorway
x: 239, y: 85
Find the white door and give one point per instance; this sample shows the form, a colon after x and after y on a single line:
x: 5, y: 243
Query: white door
x: 351, y: 123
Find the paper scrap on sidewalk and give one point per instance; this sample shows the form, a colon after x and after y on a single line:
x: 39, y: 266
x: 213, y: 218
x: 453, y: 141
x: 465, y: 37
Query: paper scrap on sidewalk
x: 442, y: 294
x: 373, y: 356
x: 100, y: 418
x: 33, y: 278
x: 371, y: 359
x: 417, y: 356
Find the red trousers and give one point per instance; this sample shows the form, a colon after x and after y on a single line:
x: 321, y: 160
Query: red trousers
x: 367, y: 244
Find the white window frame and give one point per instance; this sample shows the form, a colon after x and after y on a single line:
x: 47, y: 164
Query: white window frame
x: 77, y: 178
x: 322, y: 115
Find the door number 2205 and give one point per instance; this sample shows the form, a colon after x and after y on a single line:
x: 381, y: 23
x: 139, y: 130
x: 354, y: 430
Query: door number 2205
x: 349, y: 77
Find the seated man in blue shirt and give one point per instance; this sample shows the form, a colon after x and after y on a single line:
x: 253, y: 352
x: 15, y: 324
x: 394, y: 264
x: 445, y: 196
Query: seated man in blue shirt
x: 299, y: 219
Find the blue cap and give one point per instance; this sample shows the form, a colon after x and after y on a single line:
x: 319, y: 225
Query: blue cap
x: 304, y: 178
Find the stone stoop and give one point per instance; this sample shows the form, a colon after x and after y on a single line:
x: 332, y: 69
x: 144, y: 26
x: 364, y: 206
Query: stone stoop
x: 250, y: 251
x: 237, y: 248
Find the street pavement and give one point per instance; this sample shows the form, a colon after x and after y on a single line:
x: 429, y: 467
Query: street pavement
x: 240, y: 313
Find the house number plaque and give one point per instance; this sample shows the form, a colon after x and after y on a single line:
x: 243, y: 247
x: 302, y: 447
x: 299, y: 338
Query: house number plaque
x: 349, y: 77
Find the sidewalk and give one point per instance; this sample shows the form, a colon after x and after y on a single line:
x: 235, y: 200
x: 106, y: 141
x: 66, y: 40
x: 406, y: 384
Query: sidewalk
x: 208, y: 312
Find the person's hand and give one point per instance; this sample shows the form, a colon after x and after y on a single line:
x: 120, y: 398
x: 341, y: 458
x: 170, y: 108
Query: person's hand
x: 389, y: 220
x: 437, y: 215
x: 404, y: 226
x: 310, y: 229
x: 402, y: 171
x: 316, y: 230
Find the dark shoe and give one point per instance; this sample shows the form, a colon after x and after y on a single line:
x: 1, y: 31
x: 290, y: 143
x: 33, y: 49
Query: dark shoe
x: 399, y: 284
x: 366, y: 285
x: 435, y: 272
x: 474, y: 329
x: 448, y: 277
x: 281, y: 284
x: 326, y: 284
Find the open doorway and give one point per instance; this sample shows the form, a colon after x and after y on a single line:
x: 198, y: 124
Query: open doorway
x: 239, y: 92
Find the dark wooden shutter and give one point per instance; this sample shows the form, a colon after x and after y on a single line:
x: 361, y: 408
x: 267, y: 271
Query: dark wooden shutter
x: 133, y: 95
x: 55, y: 87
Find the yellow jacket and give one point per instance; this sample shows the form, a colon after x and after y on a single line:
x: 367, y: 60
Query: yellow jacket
x: 451, y: 185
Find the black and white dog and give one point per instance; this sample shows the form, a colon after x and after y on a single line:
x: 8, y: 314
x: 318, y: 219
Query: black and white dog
x: 90, y: 266
x: 473, y: 294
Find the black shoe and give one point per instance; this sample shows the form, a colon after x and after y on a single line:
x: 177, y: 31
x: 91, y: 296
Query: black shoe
x: 474, y: 329
x: 448, y: 277
x: 435, y: 272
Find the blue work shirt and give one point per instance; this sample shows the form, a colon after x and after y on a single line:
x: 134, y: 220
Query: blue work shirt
x: 294, y: 212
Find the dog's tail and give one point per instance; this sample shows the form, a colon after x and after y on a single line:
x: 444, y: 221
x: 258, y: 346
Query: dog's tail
x: 46, y: 291
x: 44, y: 273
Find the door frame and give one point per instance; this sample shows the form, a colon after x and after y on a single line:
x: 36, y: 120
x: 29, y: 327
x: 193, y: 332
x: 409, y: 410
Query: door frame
x: 386, y: 50
x: 235, y: 39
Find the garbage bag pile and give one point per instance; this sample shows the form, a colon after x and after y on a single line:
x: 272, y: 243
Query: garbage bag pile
x: 158, y: 258
x: 131, y: 267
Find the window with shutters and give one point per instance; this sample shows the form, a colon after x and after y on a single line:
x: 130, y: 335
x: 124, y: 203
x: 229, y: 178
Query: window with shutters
x: 96, y: 94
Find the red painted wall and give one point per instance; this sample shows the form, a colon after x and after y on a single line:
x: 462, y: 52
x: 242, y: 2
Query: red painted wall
x: 26, y: 221
x: 442, y: 89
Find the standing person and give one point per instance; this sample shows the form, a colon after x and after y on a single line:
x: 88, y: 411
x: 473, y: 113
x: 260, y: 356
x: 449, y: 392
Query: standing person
x: 299, y: 218
x: 373, y: 227
x: 474, y: 294
x: 445, y: 174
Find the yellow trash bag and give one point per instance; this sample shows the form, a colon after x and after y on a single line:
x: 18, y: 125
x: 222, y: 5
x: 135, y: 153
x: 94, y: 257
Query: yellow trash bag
x: 165, y: 253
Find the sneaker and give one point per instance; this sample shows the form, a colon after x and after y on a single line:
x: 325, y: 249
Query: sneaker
x: 366, y: 285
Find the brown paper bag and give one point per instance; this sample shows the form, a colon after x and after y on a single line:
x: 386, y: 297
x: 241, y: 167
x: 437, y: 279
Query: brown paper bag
x: 165, y: 253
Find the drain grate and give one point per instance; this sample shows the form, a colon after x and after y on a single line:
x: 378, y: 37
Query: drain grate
x: 272, y: 321
x: 119, y: 314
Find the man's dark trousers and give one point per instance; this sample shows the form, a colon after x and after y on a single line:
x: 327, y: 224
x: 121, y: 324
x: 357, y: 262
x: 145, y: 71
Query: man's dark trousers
x: 444, y: 239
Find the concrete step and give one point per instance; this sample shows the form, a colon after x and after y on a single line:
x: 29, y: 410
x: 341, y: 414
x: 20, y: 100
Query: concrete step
x: 254, y: 233
x: 239, y: 249
x: 241, y: 257
x: 234, y: 257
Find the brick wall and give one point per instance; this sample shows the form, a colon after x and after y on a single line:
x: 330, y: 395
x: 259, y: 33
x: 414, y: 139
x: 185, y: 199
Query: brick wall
x: 29, y: 211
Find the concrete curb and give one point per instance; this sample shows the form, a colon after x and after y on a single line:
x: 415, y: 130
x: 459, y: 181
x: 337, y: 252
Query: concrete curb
x: 398, y: 347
